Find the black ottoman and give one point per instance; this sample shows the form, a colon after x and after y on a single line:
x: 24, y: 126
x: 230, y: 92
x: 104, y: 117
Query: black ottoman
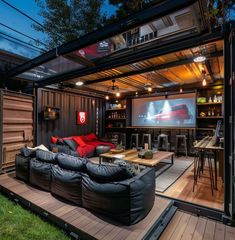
x: 22, y: 167
x: 102, y: 149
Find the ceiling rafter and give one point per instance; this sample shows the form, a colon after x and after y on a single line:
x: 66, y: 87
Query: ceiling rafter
x: 152, y: 68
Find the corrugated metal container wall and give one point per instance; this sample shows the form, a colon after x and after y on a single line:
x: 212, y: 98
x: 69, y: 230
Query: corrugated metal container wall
x: 69, y: 104
x: 17, y: 125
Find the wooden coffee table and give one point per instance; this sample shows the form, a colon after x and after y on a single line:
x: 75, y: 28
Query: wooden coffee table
x: 132, y: 157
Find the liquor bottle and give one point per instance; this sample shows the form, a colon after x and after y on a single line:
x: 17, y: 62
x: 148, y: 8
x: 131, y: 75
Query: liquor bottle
x: 213, y: 112
x: 209, y: 112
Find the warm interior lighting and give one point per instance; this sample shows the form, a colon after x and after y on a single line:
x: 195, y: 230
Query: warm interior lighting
x: 204, y: 82
x: 199, y: 59
x: 118, y: 94
x: 107, y: 97
x: 79, y: 83
x: 136, y: 93
x: 150, y: 89
x: 181, y: 89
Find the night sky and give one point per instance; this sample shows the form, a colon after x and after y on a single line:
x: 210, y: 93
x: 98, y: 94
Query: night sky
x: 13, y: 19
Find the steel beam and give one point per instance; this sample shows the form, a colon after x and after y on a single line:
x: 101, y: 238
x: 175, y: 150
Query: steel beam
x: 135, y: 57
x: 144, y: 16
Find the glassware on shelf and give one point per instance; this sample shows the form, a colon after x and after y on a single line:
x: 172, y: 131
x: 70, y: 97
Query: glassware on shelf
x: 209, y: 112
x: 215, y: 99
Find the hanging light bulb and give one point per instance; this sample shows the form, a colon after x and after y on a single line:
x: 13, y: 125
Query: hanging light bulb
x: 204, y: 83
x: 107, y: 97
x: 181, y: 89
x: 136, y: 93
x: 150, y: 89
x: 118, y: 94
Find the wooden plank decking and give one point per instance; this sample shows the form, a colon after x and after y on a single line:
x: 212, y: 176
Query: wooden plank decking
x: 79, y: 220
x: 184, y: 226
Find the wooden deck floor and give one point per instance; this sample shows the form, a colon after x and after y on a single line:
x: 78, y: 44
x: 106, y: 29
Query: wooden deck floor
x: 184, y: 226
x: 182, y: 189
x: 79, y: 220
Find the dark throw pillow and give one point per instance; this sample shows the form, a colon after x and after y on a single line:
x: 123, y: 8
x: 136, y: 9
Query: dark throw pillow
x: 107, y: 173
x: 71, y: 163
x: 71, y: 143
x: 27, y: 152
x: 46, y: 156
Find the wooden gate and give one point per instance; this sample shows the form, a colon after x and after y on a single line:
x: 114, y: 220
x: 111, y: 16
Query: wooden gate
x: 16, y: 126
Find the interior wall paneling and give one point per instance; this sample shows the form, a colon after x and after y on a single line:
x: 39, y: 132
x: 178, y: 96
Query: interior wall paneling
x: 69, y: 104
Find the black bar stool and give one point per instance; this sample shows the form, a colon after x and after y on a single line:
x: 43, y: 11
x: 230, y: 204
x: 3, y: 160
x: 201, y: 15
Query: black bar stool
x: 199, y: 161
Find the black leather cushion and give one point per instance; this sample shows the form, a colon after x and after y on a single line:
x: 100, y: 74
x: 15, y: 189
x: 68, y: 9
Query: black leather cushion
x: 46, y: 156
x: 107, y: 173
x: 63, y: 149
x: 72, y: 144
x: 67, y: 184
x: 142, y: 194
x: 127, y: 201
x: 71, y: 163
x: 22, y: 167
x: 27, y: 152
x: 40, y: 174
x: 110, y: 199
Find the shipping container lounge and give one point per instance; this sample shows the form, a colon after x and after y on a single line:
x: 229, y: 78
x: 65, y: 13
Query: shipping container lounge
x: 159, y: 84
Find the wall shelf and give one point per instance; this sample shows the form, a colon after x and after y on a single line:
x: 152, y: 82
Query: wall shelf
x: 114, y: 119
x: 209, y: 103
x: 116, y: 109
x: 212, y: 117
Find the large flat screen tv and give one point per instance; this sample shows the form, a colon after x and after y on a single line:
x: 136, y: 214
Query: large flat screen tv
x: 165, y: 111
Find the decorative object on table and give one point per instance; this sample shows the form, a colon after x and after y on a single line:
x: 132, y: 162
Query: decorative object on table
x: 146, y: 146
x: 119, y: 149
x: 146, y: 154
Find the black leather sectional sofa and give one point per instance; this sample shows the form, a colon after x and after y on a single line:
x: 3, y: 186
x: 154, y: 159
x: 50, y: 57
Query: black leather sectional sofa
x: 111, y: 190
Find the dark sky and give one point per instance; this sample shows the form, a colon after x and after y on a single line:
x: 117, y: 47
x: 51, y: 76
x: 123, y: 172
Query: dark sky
x: 12, y: 18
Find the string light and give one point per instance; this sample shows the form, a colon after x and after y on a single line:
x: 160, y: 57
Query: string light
x: 204, y: 83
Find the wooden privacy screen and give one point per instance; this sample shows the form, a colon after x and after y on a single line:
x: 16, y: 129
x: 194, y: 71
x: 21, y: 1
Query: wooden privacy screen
x: 17, y: 116
x: 68, y: 104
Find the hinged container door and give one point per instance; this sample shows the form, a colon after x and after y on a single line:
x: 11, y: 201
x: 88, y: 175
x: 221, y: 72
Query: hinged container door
x: 229, y: 147
x: 17, y: 128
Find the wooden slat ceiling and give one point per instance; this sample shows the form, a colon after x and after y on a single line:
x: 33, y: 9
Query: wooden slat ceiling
x: 177, y: 75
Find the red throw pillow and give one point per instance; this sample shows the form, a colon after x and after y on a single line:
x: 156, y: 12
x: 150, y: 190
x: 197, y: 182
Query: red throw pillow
x: 90, y: 137
x: 79, y: 141
x: 54, y: 139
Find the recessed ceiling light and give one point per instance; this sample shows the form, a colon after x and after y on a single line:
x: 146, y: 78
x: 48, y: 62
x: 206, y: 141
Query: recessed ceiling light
x: 79, y: 83
x: 199, y: 59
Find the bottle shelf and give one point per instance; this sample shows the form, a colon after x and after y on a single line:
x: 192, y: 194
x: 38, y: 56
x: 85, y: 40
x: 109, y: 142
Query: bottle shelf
x: 215, y: 117
x: 116, y: 109
x: 113, y: 119
x: 209, y: 103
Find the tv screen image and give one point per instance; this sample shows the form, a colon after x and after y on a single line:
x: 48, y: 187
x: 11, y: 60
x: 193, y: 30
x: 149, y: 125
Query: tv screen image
x: 174, y: 111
